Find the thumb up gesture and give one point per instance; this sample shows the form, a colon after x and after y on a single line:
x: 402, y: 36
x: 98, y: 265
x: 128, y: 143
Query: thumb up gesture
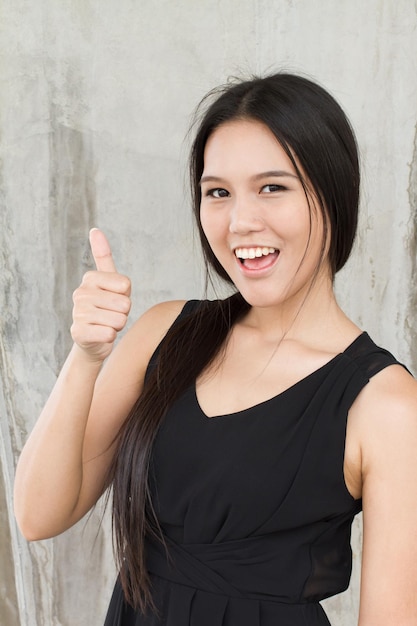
x: 101, y: 302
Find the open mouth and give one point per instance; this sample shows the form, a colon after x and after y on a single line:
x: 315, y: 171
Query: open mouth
x: 256, y: 258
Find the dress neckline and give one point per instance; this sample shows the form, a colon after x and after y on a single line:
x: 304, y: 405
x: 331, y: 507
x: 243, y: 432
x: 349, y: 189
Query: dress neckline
x: 350, y: 348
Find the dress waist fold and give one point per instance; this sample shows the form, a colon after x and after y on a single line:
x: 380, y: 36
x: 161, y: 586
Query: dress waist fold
x: 204, y: 597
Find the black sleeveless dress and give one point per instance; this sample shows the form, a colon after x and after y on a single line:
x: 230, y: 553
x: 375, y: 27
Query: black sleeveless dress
x: 253, y: 505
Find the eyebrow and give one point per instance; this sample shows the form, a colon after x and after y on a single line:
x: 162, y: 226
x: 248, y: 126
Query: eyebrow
x: 260, y: 176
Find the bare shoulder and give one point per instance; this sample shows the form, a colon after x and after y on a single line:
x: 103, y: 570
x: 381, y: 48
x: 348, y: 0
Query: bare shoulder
x: 387, y: 404
x: 383, y: 418
x: 139, y: 343
x: 156, y: 321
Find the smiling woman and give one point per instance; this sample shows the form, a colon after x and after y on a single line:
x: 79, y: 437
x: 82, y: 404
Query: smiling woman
x: 261, y: 205
x: 240, y: 437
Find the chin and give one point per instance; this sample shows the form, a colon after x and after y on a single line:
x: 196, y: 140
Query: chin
x: 275, y: 298
x: 261, y: 301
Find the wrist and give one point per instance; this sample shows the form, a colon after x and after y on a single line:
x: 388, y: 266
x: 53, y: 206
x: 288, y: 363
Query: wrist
x: 87, y: 359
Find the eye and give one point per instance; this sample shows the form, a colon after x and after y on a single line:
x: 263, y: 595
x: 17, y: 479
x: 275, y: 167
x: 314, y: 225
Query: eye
x: 218, y: 192
x: 272, y: 188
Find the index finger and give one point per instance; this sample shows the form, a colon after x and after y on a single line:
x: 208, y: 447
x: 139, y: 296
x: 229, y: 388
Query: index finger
x: 101, y: 250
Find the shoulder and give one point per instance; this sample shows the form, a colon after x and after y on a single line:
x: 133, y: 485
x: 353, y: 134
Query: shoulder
x: 159, y: 317
x: 152, y: 326
x: 385, y: 411
x: 382, y: 425
x: 392, y: 405
x: 388, y: 401
x: 127, y: 363
x: 388, y: 387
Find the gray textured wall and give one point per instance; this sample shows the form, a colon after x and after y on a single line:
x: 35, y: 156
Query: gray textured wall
x: 95, y: 102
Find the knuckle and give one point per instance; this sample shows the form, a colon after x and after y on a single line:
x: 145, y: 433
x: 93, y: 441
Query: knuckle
x: 89, y: 277
x: 112, y: 335
x: 75, y: 333
x: 108, y: 334
x: 76, y: 294
x: 120, y: 321
x: 126, y: 305
x: 125, y: 283
x: 80, y: 293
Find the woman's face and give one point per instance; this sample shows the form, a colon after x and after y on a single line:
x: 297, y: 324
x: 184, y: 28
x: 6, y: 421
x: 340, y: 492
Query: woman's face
x: 256, y: 217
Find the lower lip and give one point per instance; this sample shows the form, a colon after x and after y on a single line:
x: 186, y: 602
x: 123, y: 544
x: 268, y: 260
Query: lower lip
x: 258, y: 273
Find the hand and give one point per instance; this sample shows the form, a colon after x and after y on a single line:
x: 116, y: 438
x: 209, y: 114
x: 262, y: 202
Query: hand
x: 101, y: 302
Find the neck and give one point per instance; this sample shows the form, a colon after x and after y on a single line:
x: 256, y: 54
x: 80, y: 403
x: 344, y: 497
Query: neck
x: 307, y: 314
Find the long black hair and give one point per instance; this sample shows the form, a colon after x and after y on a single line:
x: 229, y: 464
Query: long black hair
x: 317, y: 137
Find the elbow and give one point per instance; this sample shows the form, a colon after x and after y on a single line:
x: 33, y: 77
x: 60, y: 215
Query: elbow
x: 40, y: 516
x: 37, y: 523
x: 29, y: 526
x: 29, y: 535
x: 31, y: 530
x: 29, y: 519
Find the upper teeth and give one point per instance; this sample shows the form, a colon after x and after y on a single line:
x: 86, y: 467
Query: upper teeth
x: 251, y: 253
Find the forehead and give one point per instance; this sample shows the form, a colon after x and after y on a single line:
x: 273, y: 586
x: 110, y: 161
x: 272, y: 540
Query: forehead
x: 245, y: 144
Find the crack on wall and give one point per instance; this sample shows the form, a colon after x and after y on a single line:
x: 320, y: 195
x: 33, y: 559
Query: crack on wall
x: 72, y: 211
x: 411, y: 318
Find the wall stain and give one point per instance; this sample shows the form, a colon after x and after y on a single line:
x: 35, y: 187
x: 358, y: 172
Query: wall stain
x: 411, y: 319
x: 72, y: 212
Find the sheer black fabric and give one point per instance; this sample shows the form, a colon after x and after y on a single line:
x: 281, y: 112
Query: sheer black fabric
x: 253, y: 505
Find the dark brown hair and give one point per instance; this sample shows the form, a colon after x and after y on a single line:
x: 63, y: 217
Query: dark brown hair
x: 316, y: 135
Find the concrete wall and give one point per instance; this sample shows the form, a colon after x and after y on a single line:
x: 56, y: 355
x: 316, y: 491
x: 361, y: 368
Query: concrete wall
x: 95, y: 102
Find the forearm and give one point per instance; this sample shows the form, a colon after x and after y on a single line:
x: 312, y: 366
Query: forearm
x: 49, y: 474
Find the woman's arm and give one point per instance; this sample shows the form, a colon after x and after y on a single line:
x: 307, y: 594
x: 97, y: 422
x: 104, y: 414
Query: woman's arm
x: 62, y: 469
x: 385, y: 419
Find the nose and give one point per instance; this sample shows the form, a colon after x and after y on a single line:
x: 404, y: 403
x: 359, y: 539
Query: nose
x: 244, y: 217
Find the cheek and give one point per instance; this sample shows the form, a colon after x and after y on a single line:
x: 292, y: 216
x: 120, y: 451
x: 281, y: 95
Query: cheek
x: 210, y: 225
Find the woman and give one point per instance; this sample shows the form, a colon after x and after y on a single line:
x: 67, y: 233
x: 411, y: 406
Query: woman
x: 240, y: 436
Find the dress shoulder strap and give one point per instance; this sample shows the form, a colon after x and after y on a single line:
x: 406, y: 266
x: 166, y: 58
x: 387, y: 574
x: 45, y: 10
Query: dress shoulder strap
x: 369, y: 357
x: 189, y: 307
